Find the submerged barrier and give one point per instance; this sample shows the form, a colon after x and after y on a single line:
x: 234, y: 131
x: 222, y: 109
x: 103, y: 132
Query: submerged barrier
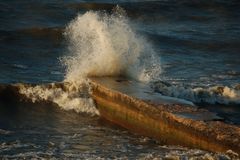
x: 134, y: 106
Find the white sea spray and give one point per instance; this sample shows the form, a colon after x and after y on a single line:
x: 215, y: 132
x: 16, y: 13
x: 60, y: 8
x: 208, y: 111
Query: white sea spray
x: 106, y: 45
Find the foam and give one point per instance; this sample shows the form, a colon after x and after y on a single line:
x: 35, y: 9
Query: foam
x: 71, y: 96
x: 212, y: 95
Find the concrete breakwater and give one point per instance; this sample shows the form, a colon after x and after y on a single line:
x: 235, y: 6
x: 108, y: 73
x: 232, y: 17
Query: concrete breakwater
x: 134, y: 106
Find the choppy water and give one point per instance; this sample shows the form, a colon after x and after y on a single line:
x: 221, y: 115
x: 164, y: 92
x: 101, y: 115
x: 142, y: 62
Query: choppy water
x: 45, y: 131
x: 184, y: 49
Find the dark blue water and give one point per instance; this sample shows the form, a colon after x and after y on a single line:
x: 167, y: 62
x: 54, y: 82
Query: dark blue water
x: 197, y: 43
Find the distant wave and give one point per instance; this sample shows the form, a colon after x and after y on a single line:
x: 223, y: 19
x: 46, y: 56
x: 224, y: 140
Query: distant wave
x: 213, y: 95
x: 20, y: 66
x: 193, y: 42
x: 91, y: 6
x: 55, y: 33
x: 154, y: 11
x: 41, y: 31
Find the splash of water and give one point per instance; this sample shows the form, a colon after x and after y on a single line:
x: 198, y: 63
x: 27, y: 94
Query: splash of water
x: 107, y: 45
x: 99, y: 45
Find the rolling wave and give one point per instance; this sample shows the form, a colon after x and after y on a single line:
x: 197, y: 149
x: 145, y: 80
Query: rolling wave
x: 213, y: 95
x: 68, y: 96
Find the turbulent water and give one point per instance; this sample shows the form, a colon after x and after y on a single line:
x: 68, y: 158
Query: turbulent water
x: 106, y: 45
x: 184, y: 49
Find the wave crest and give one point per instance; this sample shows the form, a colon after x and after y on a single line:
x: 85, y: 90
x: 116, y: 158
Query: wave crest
x: 213, y: 95
x: 68, y: 96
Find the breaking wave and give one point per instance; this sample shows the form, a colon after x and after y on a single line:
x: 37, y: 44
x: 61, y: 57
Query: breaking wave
x: 100, y: 44
x: 106, y: 45
x: 213, y: 95
x: 68, y: 96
